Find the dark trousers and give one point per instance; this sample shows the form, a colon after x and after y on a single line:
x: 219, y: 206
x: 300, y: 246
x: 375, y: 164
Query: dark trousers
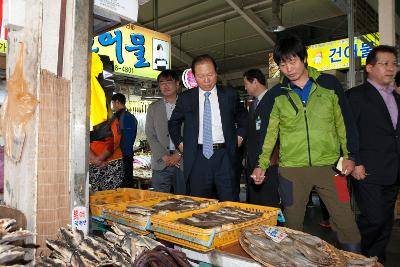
x: 169, y: 180
x: 376, y: 204
x: 267, y: 193
x: 214, y: 177
x: 128, y: 172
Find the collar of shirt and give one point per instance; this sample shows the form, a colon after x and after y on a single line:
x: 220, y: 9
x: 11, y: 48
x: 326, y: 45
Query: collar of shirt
x: 260, y: 96
x: 303, y: 93
x: 170, y: 104
x: 213, y: 91
x: 388, y: 89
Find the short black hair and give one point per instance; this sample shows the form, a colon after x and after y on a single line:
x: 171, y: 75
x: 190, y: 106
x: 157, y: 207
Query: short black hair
x: 201, y: 59
x: 288, y: 47
x: 371, y: 58
x: 252, y: 74
x: 119, y: 97
x: 168, y: 74
x: 397, y: 79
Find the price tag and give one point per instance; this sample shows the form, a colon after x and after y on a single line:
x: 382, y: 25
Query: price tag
x: 80, y: 219
x: 275, y: 234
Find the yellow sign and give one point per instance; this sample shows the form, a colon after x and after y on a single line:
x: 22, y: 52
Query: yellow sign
x: 336, y: 54
x: 135, y: 50
x: 3, y: 46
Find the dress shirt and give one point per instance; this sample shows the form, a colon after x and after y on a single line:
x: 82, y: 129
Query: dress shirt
x: 169, y: 107
x: 217, y: 133
x: 388, y: 98
x: 260, y: 96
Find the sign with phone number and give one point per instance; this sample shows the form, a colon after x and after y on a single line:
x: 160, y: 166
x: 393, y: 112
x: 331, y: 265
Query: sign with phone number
x: 135, y: 50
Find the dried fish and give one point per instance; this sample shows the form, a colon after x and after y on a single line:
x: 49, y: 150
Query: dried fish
x: 366, y: 262
x: 289, y: 252
x: 7, y: 225
x: 15, y: 236
x: 47, y: 261
x: 217, y: 218
x: 12, y: 255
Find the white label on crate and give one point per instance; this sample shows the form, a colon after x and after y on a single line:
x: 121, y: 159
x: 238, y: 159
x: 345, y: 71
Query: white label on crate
x: 275, y: 234
x: 80, y: 219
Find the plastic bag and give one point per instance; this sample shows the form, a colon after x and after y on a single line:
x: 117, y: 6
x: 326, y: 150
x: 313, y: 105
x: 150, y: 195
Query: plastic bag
x: 18, y: 108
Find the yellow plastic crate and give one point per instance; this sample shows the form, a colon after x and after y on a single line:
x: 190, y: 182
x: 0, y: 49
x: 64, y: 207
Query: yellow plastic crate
x: 139, y: 224
x: 167, y: 228
x: 98, y: 200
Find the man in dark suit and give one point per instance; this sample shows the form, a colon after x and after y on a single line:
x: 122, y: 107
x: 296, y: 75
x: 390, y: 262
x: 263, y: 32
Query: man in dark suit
x: 214, y: 126
x: 267, y: 192
x: 375, y: 107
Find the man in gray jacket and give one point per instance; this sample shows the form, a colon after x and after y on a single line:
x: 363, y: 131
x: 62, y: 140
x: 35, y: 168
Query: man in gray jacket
x: 166, y: 160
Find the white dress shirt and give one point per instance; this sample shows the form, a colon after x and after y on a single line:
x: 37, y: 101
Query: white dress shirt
x: 169, y: 107
x: 217, y: 133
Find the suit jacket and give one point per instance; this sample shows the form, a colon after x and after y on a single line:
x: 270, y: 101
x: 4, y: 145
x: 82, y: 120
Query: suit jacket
x: 255, y: 138
x: 233, y: 119
x: 157, y: 133
x: 378, y: 139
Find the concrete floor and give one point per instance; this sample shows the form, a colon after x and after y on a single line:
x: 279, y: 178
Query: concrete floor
x: 311, y: 225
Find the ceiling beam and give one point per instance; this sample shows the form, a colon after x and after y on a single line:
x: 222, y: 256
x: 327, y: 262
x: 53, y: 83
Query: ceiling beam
x: 253, y: 20
x: 210, y: 18
x: 181, y: 55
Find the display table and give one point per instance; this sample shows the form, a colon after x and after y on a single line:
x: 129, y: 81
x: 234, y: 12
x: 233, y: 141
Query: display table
x: 232, y: 256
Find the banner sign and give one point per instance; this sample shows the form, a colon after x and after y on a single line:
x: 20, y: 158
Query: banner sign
x: 135, y: 50
x: 335, y: 55
x: 331, y: 55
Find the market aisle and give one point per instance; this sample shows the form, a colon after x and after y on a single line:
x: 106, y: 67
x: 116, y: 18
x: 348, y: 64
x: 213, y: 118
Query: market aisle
x: 311, y: 225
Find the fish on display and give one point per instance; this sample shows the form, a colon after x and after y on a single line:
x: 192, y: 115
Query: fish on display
x: 180, y: 204
x: 218, y: 218
x: 13, y: 249
x: 119, y: 248
x: 296, y: 249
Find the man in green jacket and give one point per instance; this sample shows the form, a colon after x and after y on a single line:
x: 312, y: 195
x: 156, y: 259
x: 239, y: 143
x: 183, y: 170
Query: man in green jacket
x: 311, y: 118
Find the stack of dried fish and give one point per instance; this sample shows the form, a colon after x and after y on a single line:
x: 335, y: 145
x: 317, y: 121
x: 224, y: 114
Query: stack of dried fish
x: 120, y: 248
x: 172, y: 204
x: 297, y: 249
x: 12, y: 249
x: 216, y: 218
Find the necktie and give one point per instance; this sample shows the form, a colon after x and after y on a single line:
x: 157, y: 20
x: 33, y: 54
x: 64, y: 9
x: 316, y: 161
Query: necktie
x: 255, y: 103
x: 207, y: 128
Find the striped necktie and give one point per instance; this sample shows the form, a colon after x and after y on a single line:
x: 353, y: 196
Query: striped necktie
x: 207, y: 128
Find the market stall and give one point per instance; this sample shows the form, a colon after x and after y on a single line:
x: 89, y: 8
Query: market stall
x: 217, y: 233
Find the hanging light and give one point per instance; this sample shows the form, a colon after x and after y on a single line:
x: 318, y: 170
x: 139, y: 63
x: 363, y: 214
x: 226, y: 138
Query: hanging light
x: 275, y: 24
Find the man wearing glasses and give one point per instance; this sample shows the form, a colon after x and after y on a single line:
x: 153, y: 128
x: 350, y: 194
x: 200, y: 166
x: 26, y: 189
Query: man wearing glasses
x: 375, y: 107
x: 166, y: 162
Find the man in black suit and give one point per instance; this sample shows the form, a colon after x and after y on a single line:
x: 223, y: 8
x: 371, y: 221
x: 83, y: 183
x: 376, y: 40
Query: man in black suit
x: 214, y: 126
x: 267, y: 192
x: 375, y: 106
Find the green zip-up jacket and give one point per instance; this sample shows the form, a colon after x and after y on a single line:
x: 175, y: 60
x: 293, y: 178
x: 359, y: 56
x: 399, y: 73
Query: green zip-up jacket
x: 310, y: 135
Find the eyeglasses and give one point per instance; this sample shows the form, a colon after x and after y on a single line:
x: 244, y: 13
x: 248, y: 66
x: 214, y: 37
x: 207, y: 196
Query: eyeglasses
x: 166, y: 82
x: 387, y: 64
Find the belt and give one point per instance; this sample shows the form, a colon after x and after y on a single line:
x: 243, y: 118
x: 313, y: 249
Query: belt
x: 215, y: 146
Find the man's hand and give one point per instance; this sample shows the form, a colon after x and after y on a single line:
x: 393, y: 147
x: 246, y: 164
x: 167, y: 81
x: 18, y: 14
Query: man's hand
x: 347, y: 167
x: 359, y: 173
x: 240, y: 140
x: 258, y: 175
x: 175, y: 159
x: 166, y: 159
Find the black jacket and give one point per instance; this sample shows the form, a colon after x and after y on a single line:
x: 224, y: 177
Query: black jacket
x: 379, y: 140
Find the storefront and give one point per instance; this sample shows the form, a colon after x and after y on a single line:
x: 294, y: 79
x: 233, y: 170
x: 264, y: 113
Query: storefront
x: 132, y: 58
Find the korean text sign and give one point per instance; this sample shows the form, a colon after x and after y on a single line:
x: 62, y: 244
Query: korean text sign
x: 336, y: 54
x: 135, y: 50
